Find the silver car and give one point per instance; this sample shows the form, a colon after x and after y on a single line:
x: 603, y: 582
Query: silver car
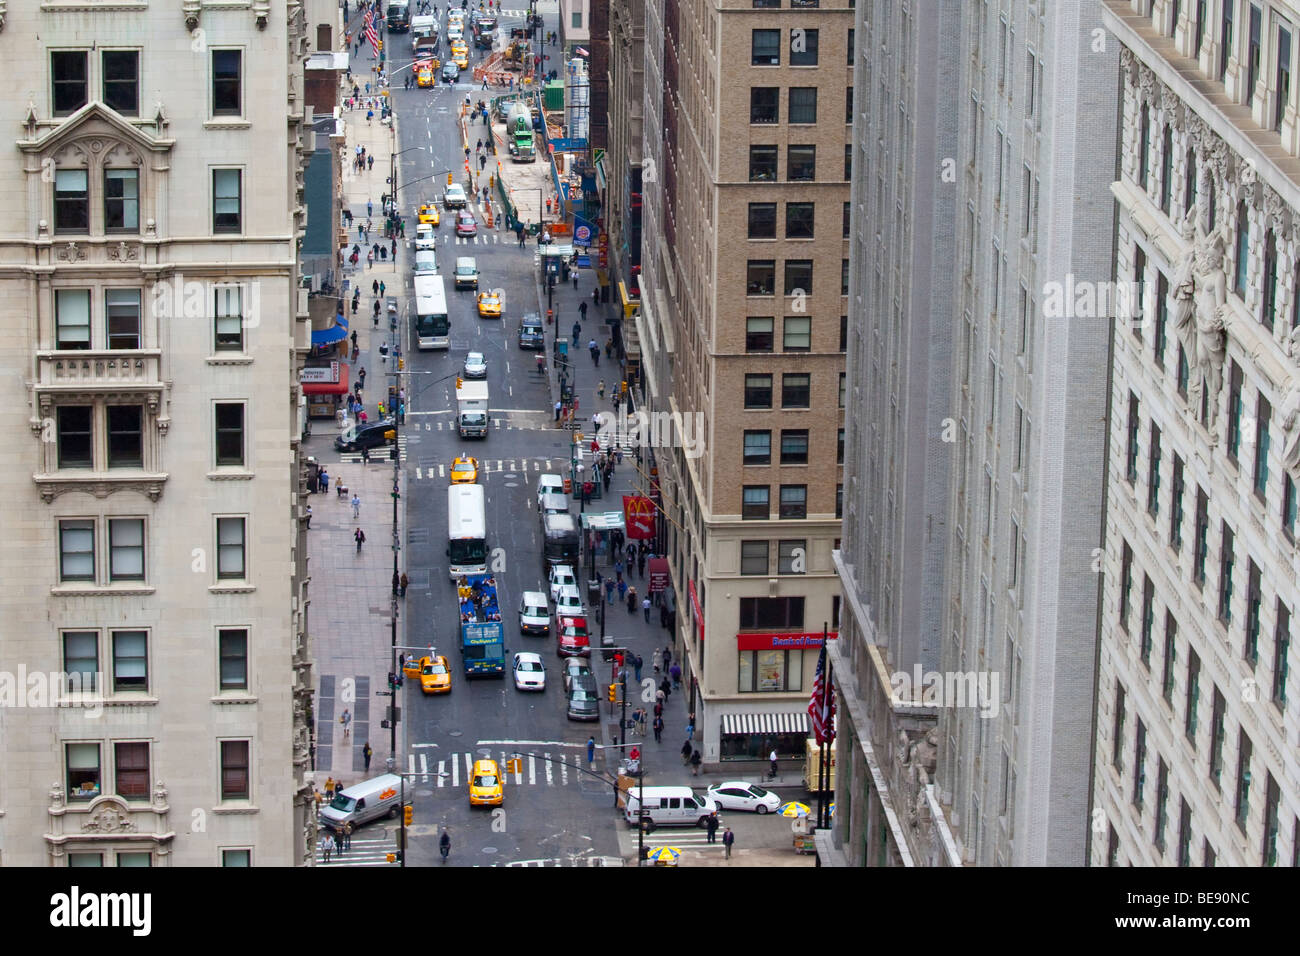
x: 475, y: 365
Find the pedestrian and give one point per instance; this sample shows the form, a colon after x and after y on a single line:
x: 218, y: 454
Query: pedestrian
x: 663, y: 615
x: 327, y: 844
x: 558, y: 406
x: 382, y: 288
x: 575, y: 282
x: 600, y: 387
x: 622, y: 589
x: 356, y: 506
x: 402, y: 584
x: 329, y: 788
x: 609, y: 476
x: 772, y: 760
x: 654, y: 659
x: 667, y: 689
x: 324, y: 481
x: 676, y: 670
x: 690, y: 729
x: 609, y: 590
x: 640, y: 566
x: 360, y: 537
x: 659, y: 729
x: 695, y: 764
x: 394, y: 250
x: 636, y: 666
x: 631, y: 600
x: 577, y: 331
x: 346, y: 720
x: 668, y: 657
x: 370, y: 115
x: 591, y: 751
x: 660, y: 699
x: 712, y: 824
x: 338, y: 842
x: 582, y: 311
x: 365, y: 449
x: 595, y: 352
x: 347, y: 836
x: 309, y: 517
x: 728, y: 838
x: 686, y: 753
x: 361, y: 378
x: 366, y: 754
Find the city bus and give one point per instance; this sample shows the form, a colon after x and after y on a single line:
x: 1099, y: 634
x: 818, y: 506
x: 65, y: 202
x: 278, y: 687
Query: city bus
x: 432, y: 327
x: 466, y: 531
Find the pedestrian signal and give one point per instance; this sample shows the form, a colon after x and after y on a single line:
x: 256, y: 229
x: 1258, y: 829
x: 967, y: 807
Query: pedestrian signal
x: 408, y: 814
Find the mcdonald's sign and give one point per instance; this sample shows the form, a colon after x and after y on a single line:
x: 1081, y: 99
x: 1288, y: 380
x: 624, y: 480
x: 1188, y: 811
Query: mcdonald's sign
x: 639, y: 517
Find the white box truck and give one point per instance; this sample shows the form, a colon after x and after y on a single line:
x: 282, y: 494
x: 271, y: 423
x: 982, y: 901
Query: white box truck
x: 472, y: 409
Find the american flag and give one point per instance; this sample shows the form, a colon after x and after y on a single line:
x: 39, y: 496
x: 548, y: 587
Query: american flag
x: 371, y: 34
x: 822, y: 711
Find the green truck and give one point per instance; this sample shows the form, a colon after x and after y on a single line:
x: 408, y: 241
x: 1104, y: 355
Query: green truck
x: 519, y: 132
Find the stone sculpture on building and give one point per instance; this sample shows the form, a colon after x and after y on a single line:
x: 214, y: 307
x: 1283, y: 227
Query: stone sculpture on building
x: 1198, y: 309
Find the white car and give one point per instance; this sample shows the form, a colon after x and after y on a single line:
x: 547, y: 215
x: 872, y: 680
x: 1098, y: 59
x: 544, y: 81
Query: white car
x: 426, y: 262
x: 454, y: 197
x: 424, y: 238
x: 534, y: 618
x: 568, y: 602
x: 530, y: 672
x: 739, y: 795
x: 475, y: 365
x: 562, y: 576
x: 549, y: 485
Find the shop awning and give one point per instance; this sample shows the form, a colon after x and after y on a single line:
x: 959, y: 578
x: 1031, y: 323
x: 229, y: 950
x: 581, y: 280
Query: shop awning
x: 795, y: 722
x: 335, y: 333
x: 606, y: 521
x: 328, y: 388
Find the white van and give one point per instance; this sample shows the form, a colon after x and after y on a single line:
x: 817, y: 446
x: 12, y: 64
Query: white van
x: 669, y: 806
x: 363, y: 802
x: 534, y: 617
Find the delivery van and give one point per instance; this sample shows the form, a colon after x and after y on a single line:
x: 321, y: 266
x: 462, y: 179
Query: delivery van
x: 668, y: 806
x: 369, y: 800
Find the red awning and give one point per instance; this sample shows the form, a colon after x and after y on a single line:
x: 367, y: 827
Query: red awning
x: 329, y: 388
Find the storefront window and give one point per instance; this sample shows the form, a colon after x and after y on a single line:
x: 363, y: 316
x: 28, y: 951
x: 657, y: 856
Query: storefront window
x: 758, y: 746
x: 766, y: 672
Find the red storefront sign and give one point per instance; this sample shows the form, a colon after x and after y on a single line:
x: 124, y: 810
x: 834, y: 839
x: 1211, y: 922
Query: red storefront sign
x: 639, y: 517
x: 695, y: 608
x: 780, y: 641
x: 657, y: 569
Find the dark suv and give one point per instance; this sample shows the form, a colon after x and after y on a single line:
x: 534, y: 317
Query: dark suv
x: 530, y: 332
x: 367, y: 436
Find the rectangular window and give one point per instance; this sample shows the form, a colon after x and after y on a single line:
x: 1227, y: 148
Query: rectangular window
x: 121, y: 72
x: 122, y: 311
x: 848, y: 59
x: 844, y: 333
x: 71, y: 200
x: 130, y: 661
x: 1144, y: 144
x: 1162, y: 320
x: 83, y: 771
x: 803, y: 105
x: 794, y: 446
x: 839, y: 504
x: 230, y: 548
x: 1184, y: 372
x: 764, y: 104
x: 1117, y: 733
x: 1281, y: 649
x: 1193, y: 695
x: 1242, y: 250
x: 226, y: 204
x: 1225, y: 36
x: 229, y: 426
x: 796, y: 334
x: 1282, y: 81
x: 1217, y: 711
x: 1166, y: 168
x: 81, y: 659
x: 792, y: 557
x: 1184, y: 833
x: 769, y: 671
x: 796, y: 390
x: 126, y: 549
x: 798, y: 276
x: 122, y: 200
x: 74, y: 438
x: 1227, y: 560
x: 1162, y: 804
x: 125, y: 436
x: 765, y: 48
x: 1176, y: 507
x: 839, y: 447
x: 762, y: 164
x: 1153, y: 472
x: 1030, y: 68
x: 1288, y: 506
x: 1268, y: 281
x: 1234, y: 410
x: 841, y: 399
x: 1254, y: 598
x: 1202, y: 538
x: 1139, y: 764
x: 803, y: 47
x: 848, y: 161
x: 232, y: 651
x: 799, y: 220
x: 1131, y: 454
x: 758, y: 447
x: 226, y: 81
x: 1272, y: 799
x: 1013, y: 564
x: 77, y: 549
x: 1125, y: 584
x: 758, y: 390
x: 846, y: 227
x: 753, y: 557
x: 759, y: 333
x: 1255, y: 26
x: 229, y: 323
x: 1140, y: 281
x: 1171, y: 653
x: 801, y: 163
x: 760, y: 277
x: 234, y: 770
x: 764, y: 614
x: 1147, y: 626
x: 1244, y: 752
x: 844, y: 276
x: 755, y: 506
x: 794, y: 501
x: 762, y: 220
x: 1189, y: 183
x: 69, y: 76
x: 1263, y: 412
x: 72, y: 319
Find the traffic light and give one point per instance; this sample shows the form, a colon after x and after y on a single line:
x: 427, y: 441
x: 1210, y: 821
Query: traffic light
x: 613, y: 693
x: 448, y: 179
x: 408, y: 814
x: 401, y: 364
x: 459, y: 382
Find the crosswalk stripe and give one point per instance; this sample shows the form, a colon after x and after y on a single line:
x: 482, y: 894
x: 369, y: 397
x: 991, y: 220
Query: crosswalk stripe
x: 532, y: 770
x: 455, y: 773
x: 442, y: 773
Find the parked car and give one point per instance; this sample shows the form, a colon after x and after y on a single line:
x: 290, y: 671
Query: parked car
x: 739, y: 795
x: 530, y: 672
x: 475, y: 365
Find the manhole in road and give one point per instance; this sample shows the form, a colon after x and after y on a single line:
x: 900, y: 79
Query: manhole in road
x: 512, y: 484
x: 490, y: 849
x: 455, y: 733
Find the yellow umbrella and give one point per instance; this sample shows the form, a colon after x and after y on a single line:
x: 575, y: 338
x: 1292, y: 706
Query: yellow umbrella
x: 832, y: 809
x: 795, y: 809
x: 664, y: 855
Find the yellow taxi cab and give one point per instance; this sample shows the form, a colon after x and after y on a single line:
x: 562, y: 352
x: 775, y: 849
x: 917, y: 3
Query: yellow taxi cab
x: 429, y: 214
x: 412, y: 666
x: 485, y: 789
x: 426, y: 72
x: 489, y: 304
x: 464, y: 470
x: 435, y: 676
x: 460, y: 55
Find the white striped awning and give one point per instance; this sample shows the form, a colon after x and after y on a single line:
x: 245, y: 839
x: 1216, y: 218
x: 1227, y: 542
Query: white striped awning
x: 794, y: 722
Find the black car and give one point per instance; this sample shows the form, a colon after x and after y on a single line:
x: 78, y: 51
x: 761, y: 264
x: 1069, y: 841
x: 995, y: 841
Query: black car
x: 530, y: 332
x: 450, y: 72
x: 367, y: 436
